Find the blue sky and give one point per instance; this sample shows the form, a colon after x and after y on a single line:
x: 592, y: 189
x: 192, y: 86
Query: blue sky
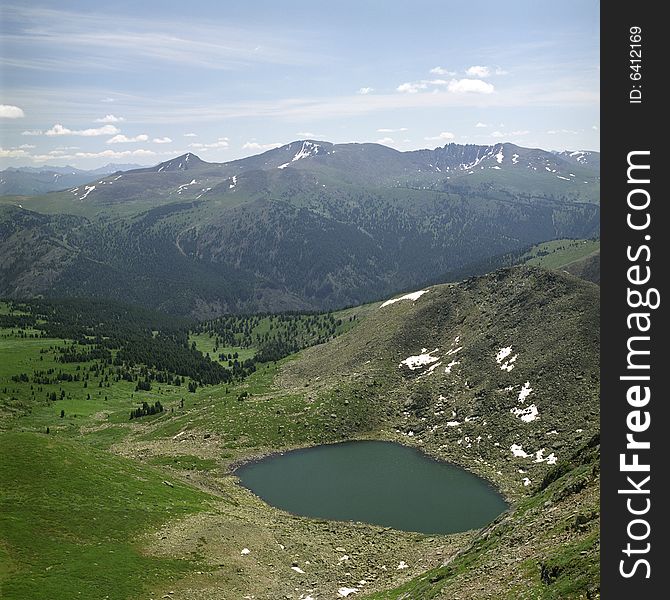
x: 86, y: 84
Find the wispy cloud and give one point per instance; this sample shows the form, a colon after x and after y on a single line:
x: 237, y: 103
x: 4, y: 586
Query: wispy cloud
x: 124, y: 139
x: 386, y: 141
x: 478, y: 71
x: 411, y: 87
x: 110, y: 119
x: 9, y: 111
x: 257, y: 146
x: 445, y: 135
x: 388, y: 130
x: 162, y: 140
x: 190, y: 134
x: 365, y: 90
x: 470, y: 86
x: 12, y: 153
x: 60, y: 38
x: 222, y: 142
x: 58, y: 129
x: 442, y: 71
x: 481, y: 125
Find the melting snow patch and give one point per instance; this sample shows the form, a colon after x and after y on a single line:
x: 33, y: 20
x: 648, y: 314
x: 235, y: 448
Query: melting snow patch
x: 503, y: 353
x: 298, y: 570
x: 550, y: 460
x: 245, y: 551
x: 283, y: 166
x: 500, y: 156
x: 402, y: 565
x: 420, y: 360
x: 453, y: 423
x: 496, y: 167
x: 525, y: 392
x: 232, y: 185
x: 526, y: 481
x: 89, y: 189
x: 526, y: 414
x: 552, y: 432
x: 306, y: 151
x: 515, y: 158
x: 517, y: 450
x: 432, y: 368
x: 346, y: 591
x: 413, y: 296
x: 452, y: 364
x: 565, y: 178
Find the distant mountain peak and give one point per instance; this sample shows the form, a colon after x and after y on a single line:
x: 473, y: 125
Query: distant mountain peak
x: 180, y: 163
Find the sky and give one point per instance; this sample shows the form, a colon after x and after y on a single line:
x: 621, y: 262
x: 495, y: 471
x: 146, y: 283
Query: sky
x: 86, y: 84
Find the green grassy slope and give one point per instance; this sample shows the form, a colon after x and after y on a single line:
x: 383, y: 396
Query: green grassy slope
x: 68, y: 520
x: 460, y: 405
x: 559, y: 253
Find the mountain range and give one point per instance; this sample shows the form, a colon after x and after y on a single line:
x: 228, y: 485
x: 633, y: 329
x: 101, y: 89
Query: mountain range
x: 40, y: 180
x: 310, y: 225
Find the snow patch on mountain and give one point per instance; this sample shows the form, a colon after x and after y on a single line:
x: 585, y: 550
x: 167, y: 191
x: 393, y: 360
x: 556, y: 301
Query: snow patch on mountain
x: 308, y: 149
x: 413, y: 296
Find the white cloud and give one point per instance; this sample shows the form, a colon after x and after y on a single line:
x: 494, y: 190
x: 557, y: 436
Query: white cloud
x: 58, y: 129
x: 27, y: 146
x: 411, y: 88
x: 12, y: 153
x: 107, y: 100
x: 33, y: 132
x: 110, y: 119
x: 190, y: 134
x: 365, y: 90
x: 557, y: 131
x: 480, y: 124
x: 594, y: 127
x: 221, y: 142
x: 478, y: 71
x: 441, y: 71
x: 9, y: 111
x: 519, y: 132
x: 124, y: 139
x: 163, y: 140
x: 106, y: 154
x: 472, y: 86
x: 500, y: 71
x: 445, y: 135
x: 306, y: 134
x: 257, y: 146
x: 497, y: 134
x: 389, y: 130
x: 386, y: 141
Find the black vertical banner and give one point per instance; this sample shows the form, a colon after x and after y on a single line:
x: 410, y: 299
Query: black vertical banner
x: 635, y: 250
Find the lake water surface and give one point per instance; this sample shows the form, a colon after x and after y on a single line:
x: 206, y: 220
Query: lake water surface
x: 383, y: 483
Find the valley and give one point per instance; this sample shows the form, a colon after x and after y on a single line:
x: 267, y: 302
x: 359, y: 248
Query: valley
x: 459, y: 370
